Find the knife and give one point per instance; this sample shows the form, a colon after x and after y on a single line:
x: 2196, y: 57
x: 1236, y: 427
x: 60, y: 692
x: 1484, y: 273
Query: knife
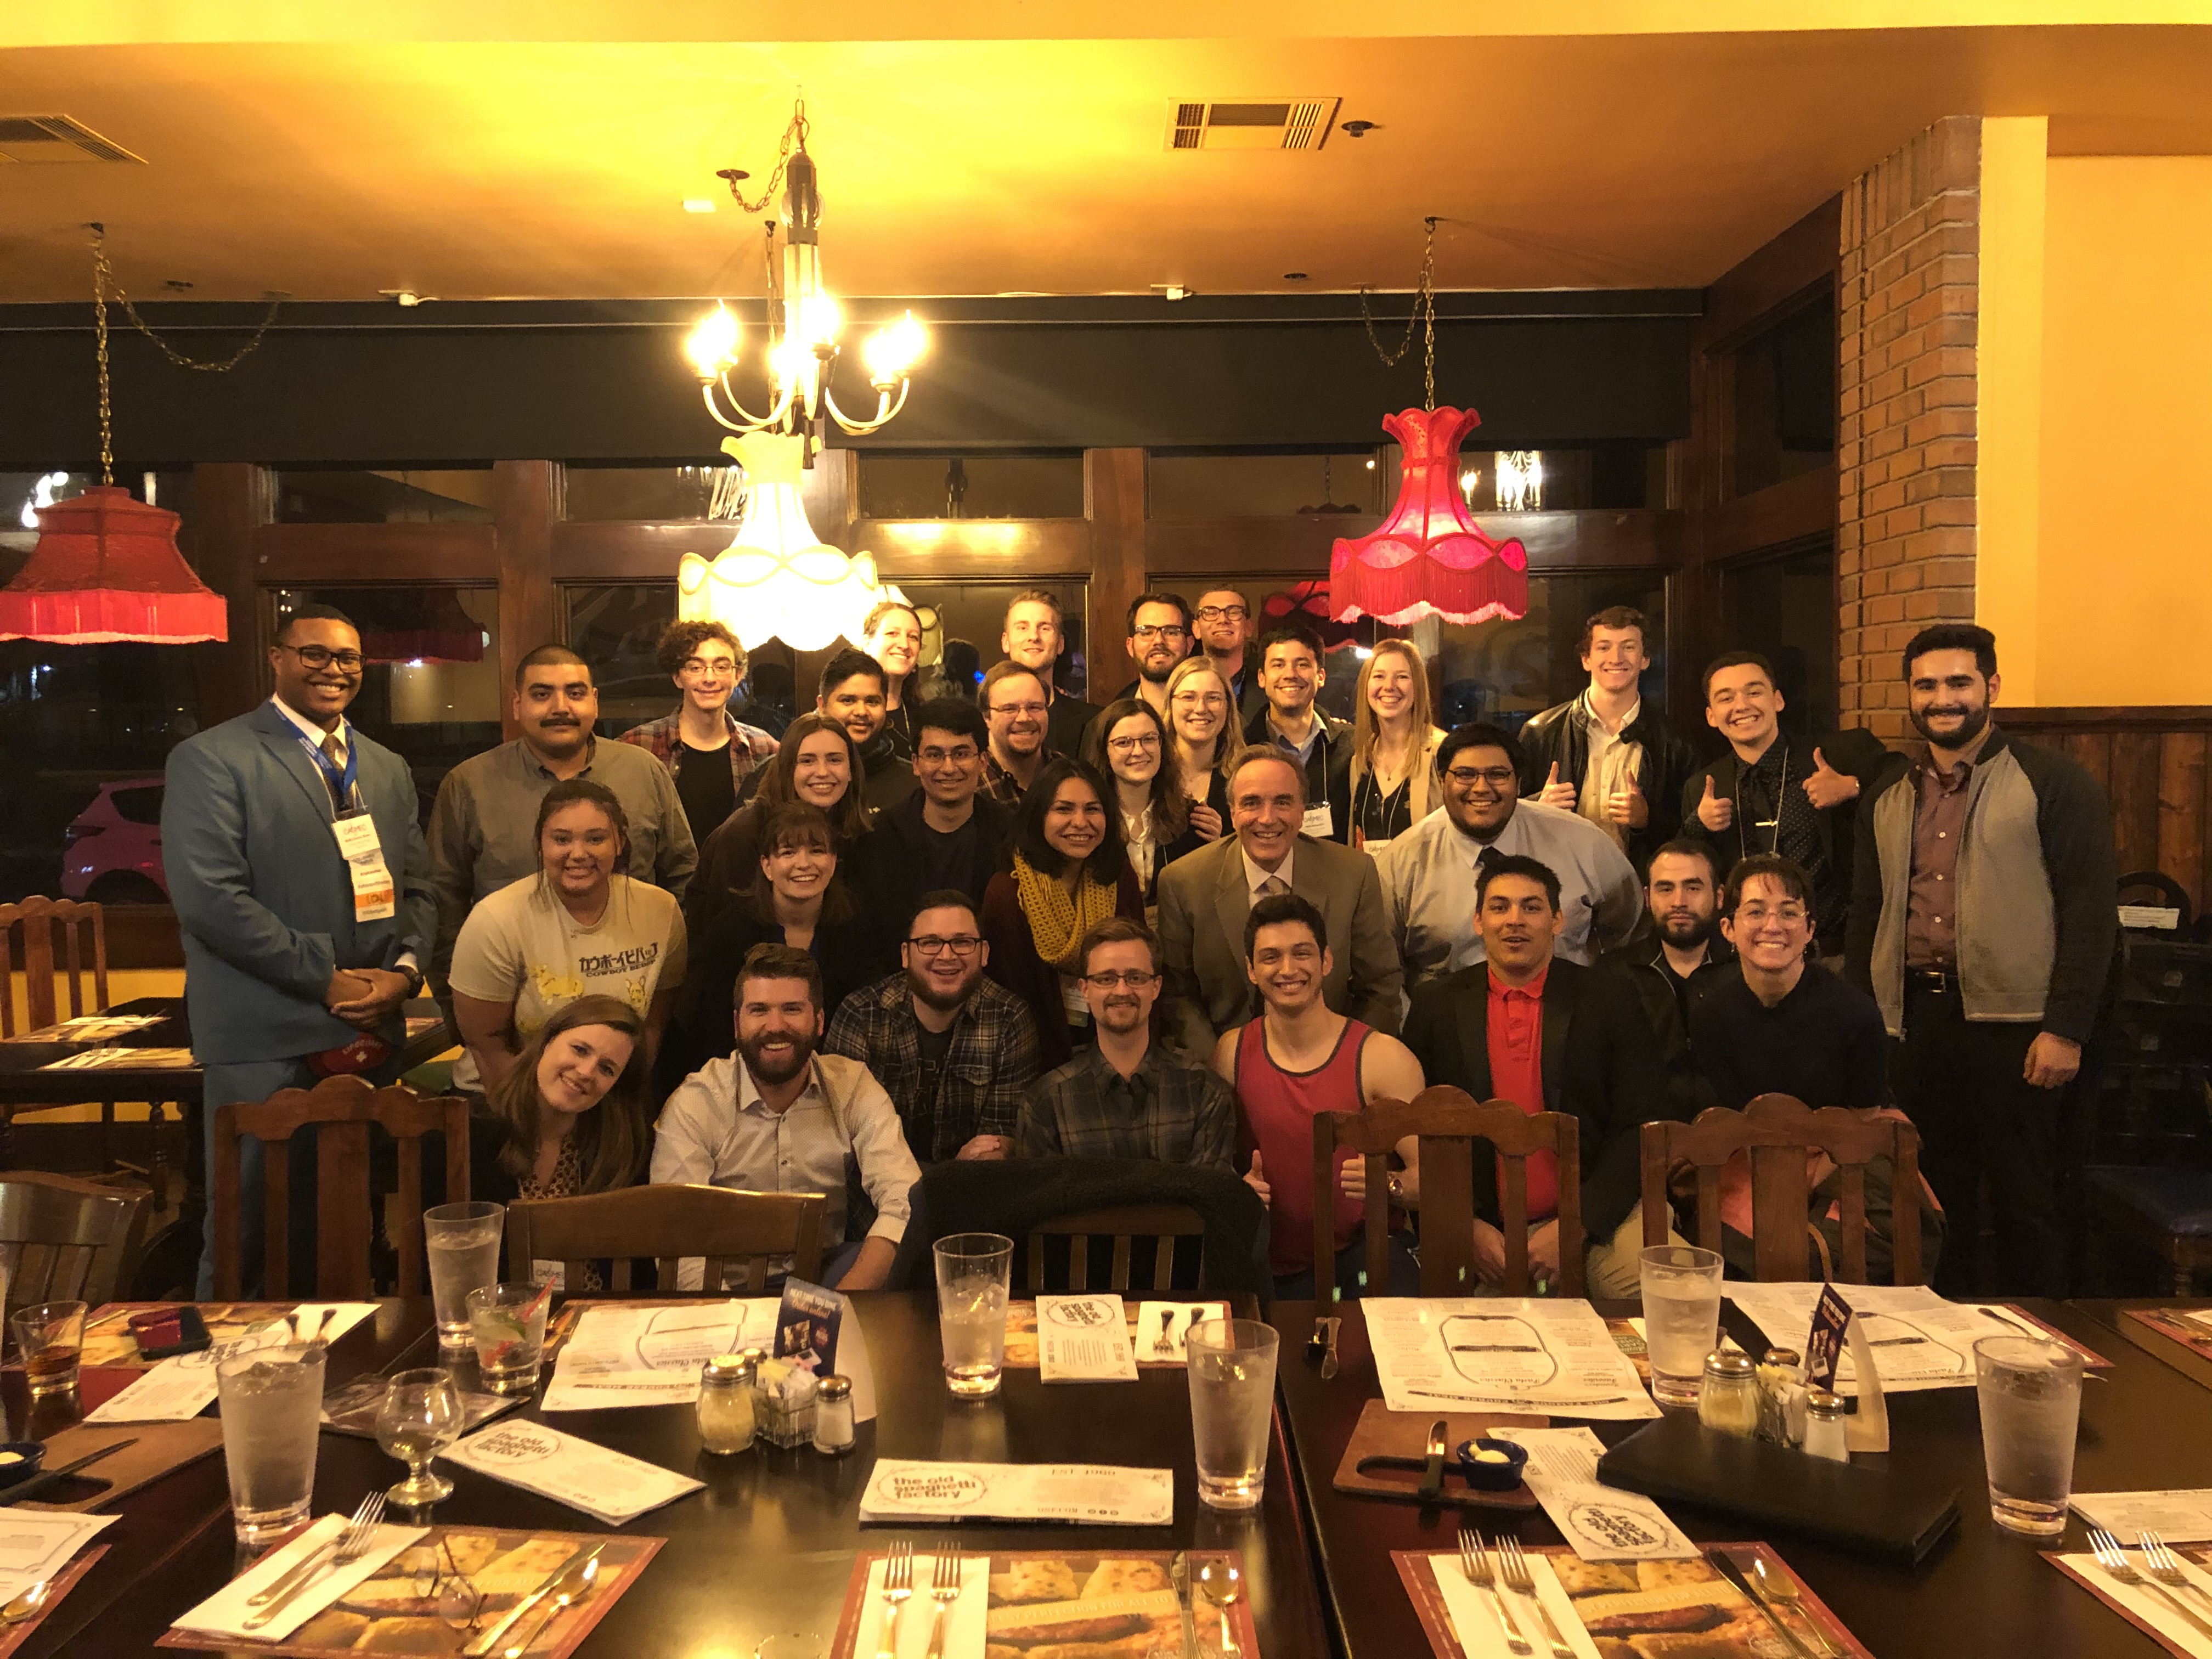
x: 575, y: 1559
x: 1328, y: 1359
x: 41, y: 1481
x: 1433, y: 1479
x: 1735, y: 1575
x: 1179, y: 1571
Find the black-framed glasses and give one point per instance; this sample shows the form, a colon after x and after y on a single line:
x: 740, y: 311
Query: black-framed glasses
x: 1468, y: 777
x: 321, y: 656
x: 1169, y: 631
x: 936, y: 945
x: 1135, y: 978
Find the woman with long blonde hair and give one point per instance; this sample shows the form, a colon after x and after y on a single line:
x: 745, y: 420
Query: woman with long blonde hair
x: 1393, y: 746
x: 1201, y: 724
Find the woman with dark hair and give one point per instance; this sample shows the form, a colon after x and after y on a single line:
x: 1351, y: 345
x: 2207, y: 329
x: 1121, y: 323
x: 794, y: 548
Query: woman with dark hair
x: 892, y: 635
x: 576, y: 928
x: 796, y: 900
x: 1129, y: 742
x: 1066, y: 872
x: 817, y: 764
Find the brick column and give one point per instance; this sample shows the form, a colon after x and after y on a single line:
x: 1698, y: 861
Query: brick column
x: 1907, y: 300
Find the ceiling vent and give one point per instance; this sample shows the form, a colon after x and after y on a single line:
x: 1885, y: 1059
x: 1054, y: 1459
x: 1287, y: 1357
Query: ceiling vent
x: 56, y: 138
x: 1251, y: 124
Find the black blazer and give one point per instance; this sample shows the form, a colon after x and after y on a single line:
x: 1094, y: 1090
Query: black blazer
x: 1601, y: 1063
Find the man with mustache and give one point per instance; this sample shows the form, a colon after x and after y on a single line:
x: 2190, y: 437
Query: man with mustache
x: 955, y: 1051
x: 778, y: 1117
x: 1679, y: 962
x: 481, y: 834
x: 1034, y: 635
x: 1290, y: 677
x: 1983, y: 914
x: 1531, y: 1026
x: 1016, y: 712
x: 1159, y: 638
x: 1125, y: 1096
x: 852, y: 693
x: 1429, y: 873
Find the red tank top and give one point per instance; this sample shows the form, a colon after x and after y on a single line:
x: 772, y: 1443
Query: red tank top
x: 1279, y: 1109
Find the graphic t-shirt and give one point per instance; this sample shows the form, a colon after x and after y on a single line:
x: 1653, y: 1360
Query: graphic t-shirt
x: 520, y: 944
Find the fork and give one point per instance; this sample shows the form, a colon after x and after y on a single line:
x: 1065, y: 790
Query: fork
x: 944, y: 1590
x: 1474, y: 1563
x: 2160, y: 1562
x: 1521, y: 1581
x: 353, y: 1543
x: 898, y: 1585
x: 1163, y: 1343
x: 2114, y: 1560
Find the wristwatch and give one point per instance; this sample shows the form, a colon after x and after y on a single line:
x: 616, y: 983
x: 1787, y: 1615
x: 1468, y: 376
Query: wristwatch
x: 1397, y: 1187
x: 413, y: 975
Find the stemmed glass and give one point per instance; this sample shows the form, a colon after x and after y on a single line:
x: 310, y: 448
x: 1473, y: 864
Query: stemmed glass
x: 420, y: 1417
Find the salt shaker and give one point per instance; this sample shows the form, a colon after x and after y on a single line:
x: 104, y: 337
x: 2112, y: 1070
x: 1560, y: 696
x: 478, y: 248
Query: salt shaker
x: 1824, y: 1427
x: 833, y: 1416
x: 726, y: 1418
x: 1728, y: 1394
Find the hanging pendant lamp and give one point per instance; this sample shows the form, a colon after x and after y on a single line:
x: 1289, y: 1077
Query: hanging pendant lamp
x: 105, y: 567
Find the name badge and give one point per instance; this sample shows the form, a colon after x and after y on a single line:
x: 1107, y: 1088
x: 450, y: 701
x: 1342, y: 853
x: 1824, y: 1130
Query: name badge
x: 374, y: 899
x: 1319, y: 822
x: 1375, y: 846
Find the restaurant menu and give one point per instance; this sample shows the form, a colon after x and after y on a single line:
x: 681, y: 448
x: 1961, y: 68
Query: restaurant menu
x: 1600, y: 1523
x: 125, y: 1060
x: 2173, y: 1516
x: 90, y: 1028
x: 37, y: 1544
x: 1551, y: 1356
x: 1920, y: 1339
x: 1084, y: 1339
x: 604, y: 1485
x: 640, y: 1354
x: 904, y: 1491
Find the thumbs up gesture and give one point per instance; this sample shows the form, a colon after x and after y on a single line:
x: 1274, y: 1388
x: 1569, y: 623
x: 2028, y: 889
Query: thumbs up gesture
x: 1714, y: 811
x: 1555, y: 793
x: 1628, y: 807
x: 1827, y: 786
x: 1258, y: 1181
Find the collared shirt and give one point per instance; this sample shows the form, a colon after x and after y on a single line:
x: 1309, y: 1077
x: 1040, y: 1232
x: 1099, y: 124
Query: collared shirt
x: 1612, y: 767
x: 751, y: 748
x: 1001, y: 784
x: 1171, y: 1113
x: 1939, y: 822
x: 314, y: 734
x: 1255, y: 877
x: 989, y: 1065
x: 1515, y: 1031
x: 1313, y: 735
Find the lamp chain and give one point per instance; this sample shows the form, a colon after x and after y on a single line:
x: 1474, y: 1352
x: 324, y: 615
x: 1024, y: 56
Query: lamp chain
x: 100, y: 340
x: 794, y: 135
x: 1424, y: 312
x: 103, y: 278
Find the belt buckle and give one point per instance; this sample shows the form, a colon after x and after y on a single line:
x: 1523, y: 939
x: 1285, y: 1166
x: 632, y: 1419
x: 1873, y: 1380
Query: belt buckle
x: 1937, y: 980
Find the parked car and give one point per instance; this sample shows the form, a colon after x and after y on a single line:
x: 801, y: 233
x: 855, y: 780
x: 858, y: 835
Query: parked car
x: 111, y: 851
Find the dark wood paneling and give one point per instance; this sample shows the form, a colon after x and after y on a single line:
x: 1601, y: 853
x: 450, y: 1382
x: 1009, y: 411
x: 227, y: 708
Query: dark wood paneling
x: 634, y: 552
x: 2133, y: 783
x: 976, y: 549
x: 525, y: 495
x: 2153, y: 763
x: 1595, y: 540
x: 1794, y: 510
x: 1114, y: 500
x: 309, y: 555
x: 2185, y: 809
x: 1772, y: 282
x: 228, y: 502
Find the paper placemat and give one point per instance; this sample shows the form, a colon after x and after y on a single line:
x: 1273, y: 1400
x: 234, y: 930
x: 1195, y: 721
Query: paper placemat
x: 1612, y: 1603
x: 2190, y: 1326
x: 37, y: 1544
x: 13, y: 1636
x: 966, y: 1632
x: 220, y: 1620
x: 2144, y: 1608
x: 108, y: 1340
x: 904, y: 1491
x: 1922, y: 1340
x: 395, y: 1610
x: 1551, y: 1357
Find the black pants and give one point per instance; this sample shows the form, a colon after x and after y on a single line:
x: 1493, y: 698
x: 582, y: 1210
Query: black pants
x: 1961, y: 1082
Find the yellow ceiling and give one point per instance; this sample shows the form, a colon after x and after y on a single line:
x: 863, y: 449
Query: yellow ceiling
x: 303, y: 148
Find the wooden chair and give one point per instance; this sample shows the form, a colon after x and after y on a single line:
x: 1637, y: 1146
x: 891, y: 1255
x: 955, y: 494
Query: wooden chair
x: 1779, y: 1132
x: 668, y: 1224
x: 1163, y: 1224
x: 65, y: 1240
x: 84, y: 934
x: 342, y: 1111
x: 1447, y: 1121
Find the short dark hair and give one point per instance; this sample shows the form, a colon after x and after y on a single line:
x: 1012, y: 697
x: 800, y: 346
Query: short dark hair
x: 680, y: 643
x: 1002, y: 670
x: 945, y: 898
x: 1278, y: 908
x: 1476, y: 735
x: 1106, y: 864
x: 789, y: 823
x: 1290, y: 631
x: 778, y: 962
x: 1786, y: 874
x: 1688, y: 846
x: 546, y: 656
x: 314, y: 613
x: 1116, y: 930
x: 850, y: 664
x: 1181, y: 607
x: 1954, y: 636
x: 1734, y: 660
x: 1615, y: 617
x: 1518, y: 864
x: 954, y: 714
x: 567, y: 793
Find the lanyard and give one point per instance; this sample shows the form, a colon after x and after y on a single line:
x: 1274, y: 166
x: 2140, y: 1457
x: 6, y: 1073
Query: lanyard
x: 341, y: 782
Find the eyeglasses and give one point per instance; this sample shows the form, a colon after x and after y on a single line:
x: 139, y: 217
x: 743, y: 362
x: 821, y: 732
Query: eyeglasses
x: 1207, y: 613
x: 710, y: 666
x: 1468, y: 777
x: 1134, y: 978
x: 1756, y: 913
x: 1198, y: 699
x: 936, y: 945
x: 1171, y: 631
x: 959, y: 756
x: 1133, y: 745
x: 1032, y: 709
x: 321, y: 656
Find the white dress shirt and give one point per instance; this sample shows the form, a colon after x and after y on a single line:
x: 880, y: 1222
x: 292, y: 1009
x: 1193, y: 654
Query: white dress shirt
x: 1255, y: 877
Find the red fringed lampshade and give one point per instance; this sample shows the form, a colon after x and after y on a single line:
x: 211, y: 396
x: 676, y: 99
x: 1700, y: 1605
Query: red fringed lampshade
x: 107, y: 567
x: 1429, y: 557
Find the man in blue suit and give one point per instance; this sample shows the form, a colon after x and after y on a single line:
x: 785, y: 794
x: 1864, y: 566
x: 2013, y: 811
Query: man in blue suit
x: 302, y: 886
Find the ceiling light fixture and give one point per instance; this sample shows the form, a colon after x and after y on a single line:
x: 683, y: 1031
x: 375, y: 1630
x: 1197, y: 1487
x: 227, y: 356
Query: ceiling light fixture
x: 698, y: 204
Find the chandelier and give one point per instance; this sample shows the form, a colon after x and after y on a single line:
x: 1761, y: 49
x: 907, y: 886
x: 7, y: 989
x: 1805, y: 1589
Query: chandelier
x: 805, y: 321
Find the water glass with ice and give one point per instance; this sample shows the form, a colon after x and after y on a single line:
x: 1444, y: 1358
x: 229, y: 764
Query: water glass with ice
x: 462, y: 1241
x: 1231, y: 1363
x: 273, y: 1417
x: 975, y: 1272
x: 2031, y: 1399
x: 1681, y: 1317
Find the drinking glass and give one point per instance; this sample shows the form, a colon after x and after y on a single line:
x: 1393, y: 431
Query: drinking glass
x: 463, y: 1240
x: 272, y: 1418
x: 974, y: 1271
x: 420, y: 1417
x: 508, y: 1323
x: 1681, y: 1317
x: 1231, y: 1363
x: 50, y: 1335
x: 2031, y: 1398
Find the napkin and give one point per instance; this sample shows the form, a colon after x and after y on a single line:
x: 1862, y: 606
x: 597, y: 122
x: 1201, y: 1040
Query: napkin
x: 963, y: 1619
x: 2148, y: 1607
x: 1174, y: 1318
x: 37, y: 1544
x: 1476, y: 1625
x: 177, y: 1389
x: 609, y: 1488
x: 225, y: 1612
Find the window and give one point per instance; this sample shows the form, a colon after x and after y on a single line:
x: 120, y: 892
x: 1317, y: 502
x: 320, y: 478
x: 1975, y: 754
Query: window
x: 1785, y: 398
x: 449, y: 495
x: 1784, y: 607
x: 650, y: 494
x: 895, y: 486
x: 1352, y: 481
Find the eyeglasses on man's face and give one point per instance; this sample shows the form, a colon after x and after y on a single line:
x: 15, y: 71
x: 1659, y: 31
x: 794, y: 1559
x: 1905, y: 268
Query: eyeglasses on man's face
x: 321, y: 656
x: 959, y: 756
x: 1211, y: 613
x: 936, y: 945
x: 1135, y: 978
x: 1164, y: 631
x: 1466, y: 777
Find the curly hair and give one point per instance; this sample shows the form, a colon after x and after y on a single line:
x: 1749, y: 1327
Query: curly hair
x: 680, y: 643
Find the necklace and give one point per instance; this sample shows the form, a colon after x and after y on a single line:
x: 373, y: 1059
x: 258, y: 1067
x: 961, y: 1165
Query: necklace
x: 1773, y: 825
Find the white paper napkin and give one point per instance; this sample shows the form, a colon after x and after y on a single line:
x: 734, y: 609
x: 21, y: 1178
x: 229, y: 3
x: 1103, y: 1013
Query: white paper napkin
x: 225, y: 1612
x: 964, y: 1636
x: 2151, y: 1608
x: 167, y: 1392
x: 607, y: 1485
x: 37, y: 1544
x: 1476, y: 1625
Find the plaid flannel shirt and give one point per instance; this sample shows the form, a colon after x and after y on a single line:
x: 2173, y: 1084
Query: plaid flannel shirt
x: 999, y: 784
x: 1174, y: 1113
x: 990, y: 1064
x: 751, y: 748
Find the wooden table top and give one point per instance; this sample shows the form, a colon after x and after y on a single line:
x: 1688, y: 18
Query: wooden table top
x: 768, y: 1547
x: 2147, y: 1426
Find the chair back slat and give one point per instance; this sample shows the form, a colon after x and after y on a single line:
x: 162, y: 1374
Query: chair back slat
x: 341, y: 1195
x: 65, y: 1239
x: 724, y: 1228
x: 83, y: 929
x: 1121, y: 1224
x: 1780, y: 1197
x: 1853, y: 1215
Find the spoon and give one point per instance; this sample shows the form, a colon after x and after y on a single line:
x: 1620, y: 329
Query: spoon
x: 1783, y: 1590
x: 29, y: 1605
x: 575, y: 1584
x: 1220, y: 1582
